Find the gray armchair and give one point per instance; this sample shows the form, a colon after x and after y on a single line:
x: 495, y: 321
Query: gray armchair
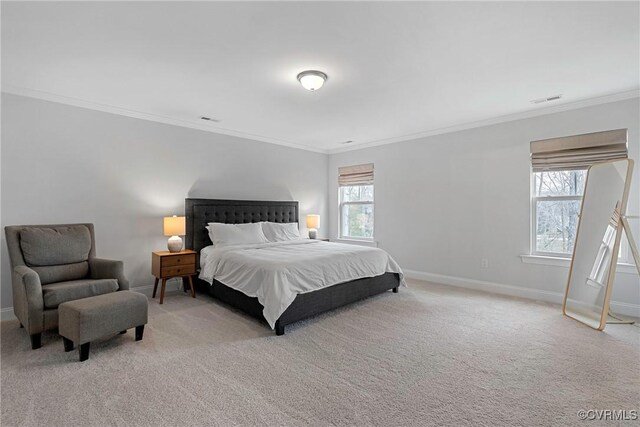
x: 52, y: 264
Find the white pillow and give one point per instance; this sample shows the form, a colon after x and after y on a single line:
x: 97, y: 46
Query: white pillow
x: 280, y: 232
x: 235, y: 234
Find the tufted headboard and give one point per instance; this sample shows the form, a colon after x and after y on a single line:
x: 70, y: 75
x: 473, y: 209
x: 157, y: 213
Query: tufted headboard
x: 200, y: 212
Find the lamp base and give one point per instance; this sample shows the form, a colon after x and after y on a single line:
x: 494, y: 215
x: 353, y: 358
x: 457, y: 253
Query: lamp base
x: 174, y: 244
x: 313, y: 233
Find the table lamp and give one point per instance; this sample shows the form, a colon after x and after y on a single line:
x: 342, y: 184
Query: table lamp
x: 313, y: 223
x: 175, y: 227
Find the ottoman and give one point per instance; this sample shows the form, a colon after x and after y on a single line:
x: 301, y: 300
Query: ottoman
x: 87, y: 319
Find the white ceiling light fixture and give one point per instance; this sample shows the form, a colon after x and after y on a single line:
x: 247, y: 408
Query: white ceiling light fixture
x: 312, y: 79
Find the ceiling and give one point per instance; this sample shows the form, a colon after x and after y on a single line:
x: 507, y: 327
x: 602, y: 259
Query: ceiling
x: 396, y: 70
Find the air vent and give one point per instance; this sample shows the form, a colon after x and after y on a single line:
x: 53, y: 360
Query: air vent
x: 551, y: 98
x: 209, y: 119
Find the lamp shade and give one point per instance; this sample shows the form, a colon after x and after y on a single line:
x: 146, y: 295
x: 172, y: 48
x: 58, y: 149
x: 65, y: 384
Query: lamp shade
x: 174, y: 226
x: 313, y: 221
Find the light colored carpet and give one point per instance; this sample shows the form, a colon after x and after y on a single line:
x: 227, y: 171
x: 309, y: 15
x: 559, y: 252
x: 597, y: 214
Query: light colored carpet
x: 430, y: 355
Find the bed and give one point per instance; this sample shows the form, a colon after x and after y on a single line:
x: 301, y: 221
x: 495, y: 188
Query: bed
x: 200, y: 212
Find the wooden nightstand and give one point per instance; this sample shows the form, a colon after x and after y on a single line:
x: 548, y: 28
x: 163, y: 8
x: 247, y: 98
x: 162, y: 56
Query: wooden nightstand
x: 165, y: 265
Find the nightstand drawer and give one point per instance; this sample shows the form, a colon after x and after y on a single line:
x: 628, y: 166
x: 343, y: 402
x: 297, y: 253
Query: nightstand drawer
x: 170, y: 261
x: 179, y: 270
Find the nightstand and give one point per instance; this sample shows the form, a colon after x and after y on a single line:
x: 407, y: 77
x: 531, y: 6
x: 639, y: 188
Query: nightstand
x: 166, y: 265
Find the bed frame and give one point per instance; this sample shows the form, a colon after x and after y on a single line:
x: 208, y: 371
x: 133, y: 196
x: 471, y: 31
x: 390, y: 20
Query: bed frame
x: 199, y: 212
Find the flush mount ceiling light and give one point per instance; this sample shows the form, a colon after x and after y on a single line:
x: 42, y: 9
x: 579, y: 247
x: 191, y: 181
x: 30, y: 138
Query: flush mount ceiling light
x: 312, y: 79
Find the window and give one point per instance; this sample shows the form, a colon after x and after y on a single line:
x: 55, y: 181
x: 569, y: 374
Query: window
x: 559, y: 174
x: 356, y: 201
x: 556, y: 201
x: 356, y: 212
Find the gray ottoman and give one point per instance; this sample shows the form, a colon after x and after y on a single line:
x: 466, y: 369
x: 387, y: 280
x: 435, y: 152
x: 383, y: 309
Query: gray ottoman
x: 84, y: 320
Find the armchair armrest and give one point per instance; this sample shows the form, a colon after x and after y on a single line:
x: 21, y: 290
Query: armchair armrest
x: 100, y: 268
x: 28, y: 303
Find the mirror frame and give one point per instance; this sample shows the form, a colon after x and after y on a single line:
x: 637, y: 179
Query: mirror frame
x: 616, y: 248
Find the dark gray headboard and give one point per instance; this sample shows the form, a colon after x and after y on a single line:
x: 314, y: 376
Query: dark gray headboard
x: 200, y: 212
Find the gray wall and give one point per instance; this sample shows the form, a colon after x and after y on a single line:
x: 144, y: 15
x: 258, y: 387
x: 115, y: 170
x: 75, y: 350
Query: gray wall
x: 64, y: 164
x: 445, y: 202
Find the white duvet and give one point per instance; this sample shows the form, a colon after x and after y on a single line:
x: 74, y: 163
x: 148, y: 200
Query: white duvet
x: 276, y: 272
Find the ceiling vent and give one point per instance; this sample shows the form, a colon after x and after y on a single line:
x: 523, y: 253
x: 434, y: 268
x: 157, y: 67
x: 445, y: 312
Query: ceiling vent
x: 551, y: 98
x: 209, y: 119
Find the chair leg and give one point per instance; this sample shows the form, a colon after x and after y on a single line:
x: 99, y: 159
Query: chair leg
x: 36, y: 341
x: 84, y: 351
x: 395, y: 290
x: 68, y: 344
x: 279, y: 329
x: 139, y: 332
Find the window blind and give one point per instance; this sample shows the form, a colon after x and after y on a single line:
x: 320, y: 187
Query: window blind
x: 578, y: 151
x: 355, y: 175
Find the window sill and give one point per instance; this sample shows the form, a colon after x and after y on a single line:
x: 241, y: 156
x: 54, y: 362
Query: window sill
x: 566, y: 262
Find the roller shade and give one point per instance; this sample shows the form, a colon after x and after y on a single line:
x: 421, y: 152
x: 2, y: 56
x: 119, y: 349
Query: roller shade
x: 578, y: 151
x: 355, y: 175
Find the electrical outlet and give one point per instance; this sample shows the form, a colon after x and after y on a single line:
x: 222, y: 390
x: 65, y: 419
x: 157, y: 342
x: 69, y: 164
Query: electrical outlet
x: 484, y: 263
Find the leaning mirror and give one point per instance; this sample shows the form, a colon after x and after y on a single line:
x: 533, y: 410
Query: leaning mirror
x: 595, y: 252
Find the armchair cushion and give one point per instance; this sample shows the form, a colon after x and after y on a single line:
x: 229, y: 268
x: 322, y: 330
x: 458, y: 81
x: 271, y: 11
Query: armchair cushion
x: 61, y: 273
x: 55, y: 246
x: 55, y: 294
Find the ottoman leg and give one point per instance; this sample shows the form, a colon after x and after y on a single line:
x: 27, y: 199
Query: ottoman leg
x: 68, y: 344
x: 139, y: 332
x: 84, y: 351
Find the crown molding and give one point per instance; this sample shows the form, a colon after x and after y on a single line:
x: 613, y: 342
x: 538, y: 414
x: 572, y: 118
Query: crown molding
x: 587, y: 102
x: 209, y: 127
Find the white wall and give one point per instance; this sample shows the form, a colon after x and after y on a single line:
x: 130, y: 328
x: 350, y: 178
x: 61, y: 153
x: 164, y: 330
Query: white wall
x: 445, y: 202
x: 63, y: 164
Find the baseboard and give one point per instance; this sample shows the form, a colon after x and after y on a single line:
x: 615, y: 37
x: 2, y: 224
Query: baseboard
x: 516, y: 291
x: 480, y: 285
x: 172, y: 285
